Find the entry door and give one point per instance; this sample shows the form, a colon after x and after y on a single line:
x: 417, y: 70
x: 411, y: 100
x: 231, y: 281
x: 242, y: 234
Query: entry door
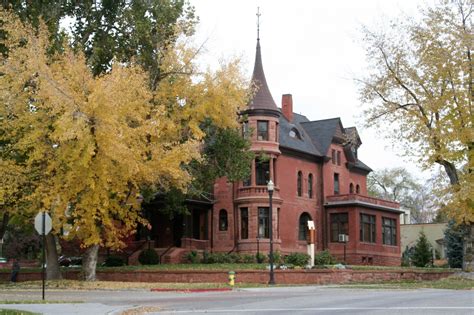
x: 199, y: 224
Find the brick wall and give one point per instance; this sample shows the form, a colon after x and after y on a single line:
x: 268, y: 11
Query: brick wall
x: 315, y: 276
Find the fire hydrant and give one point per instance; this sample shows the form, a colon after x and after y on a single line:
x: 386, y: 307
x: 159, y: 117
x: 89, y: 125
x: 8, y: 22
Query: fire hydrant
x: 231, y: 278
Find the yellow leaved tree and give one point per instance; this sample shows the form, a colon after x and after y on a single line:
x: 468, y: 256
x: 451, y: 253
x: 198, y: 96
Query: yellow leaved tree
x: 421, y: 86
x: 89, y: 144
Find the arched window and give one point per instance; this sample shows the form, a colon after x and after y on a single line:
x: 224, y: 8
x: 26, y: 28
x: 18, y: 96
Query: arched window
x: 299, y: 184
x: 310, y: 185
x: 303, y: 226
x: 223, y: 220
x: 351, y: 188
x: 357, y: 189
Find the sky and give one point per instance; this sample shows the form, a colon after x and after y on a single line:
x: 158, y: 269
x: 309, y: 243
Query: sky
x: 310, y: 49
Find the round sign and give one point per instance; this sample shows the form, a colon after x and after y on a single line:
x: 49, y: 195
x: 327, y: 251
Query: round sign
x: 48, y: 223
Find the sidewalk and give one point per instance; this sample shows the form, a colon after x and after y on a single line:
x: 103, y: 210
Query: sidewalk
x: 69, y: 308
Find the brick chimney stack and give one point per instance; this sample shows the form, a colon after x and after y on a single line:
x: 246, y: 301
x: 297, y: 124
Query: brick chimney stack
x: 287, y: 106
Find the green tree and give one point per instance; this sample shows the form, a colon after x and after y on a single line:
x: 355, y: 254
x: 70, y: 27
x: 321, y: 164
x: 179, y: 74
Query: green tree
x: 421, y: 86
x: 453, y: 236
x: 422, y: 254
x: 126, y: 30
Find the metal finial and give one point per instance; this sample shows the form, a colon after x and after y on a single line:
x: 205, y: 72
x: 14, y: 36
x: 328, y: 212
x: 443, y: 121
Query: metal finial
x: 258, y: 23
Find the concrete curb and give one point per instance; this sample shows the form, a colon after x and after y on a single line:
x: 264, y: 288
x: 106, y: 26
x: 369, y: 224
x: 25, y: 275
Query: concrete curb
x: 191, y: 290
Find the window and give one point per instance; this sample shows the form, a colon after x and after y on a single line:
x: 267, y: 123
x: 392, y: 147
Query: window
x: 278, y: 223
x: 245, y: 129
x: 354, y: 151
x: 262, y: 170
x: 244, y: 223
x: 263, y: 222
x: 389, y: 231
x: 294, y: 133
x: 299, y: 184
x: 338, y: 157
x: 339, y: 225
x: 351, y: 188
x: 336, y: 183
x: 303, y: 230
x: 333, y: 156
x: 247, y: 182
x: 367, y: 228
x: 357, y: 189
x: 310, y: 185
x: 262, y: 130
x: 223, y: 220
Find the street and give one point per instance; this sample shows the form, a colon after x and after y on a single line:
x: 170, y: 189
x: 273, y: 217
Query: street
x: 279, y: 300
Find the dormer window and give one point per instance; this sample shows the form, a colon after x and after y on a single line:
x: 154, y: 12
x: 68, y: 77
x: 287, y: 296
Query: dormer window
x: 354, y: 151
x: 294, y: 133
x: 262, y: 130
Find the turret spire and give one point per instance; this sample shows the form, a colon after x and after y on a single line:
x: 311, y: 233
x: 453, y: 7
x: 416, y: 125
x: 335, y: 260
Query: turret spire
x: 263, y: 98
x: 258, y: 23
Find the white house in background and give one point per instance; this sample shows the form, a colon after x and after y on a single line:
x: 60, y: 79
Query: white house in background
x: 434, y: 232
x: 405, y: 217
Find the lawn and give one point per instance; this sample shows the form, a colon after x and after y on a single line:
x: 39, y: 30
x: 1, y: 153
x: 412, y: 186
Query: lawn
x: 450, y: 283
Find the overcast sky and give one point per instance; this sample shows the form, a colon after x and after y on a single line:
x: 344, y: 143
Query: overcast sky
x: 310, y: 49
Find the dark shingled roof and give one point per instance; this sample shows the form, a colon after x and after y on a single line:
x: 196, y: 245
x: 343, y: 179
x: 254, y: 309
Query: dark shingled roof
x: 322, y: 132
x: 305, y: 144
x: 263, y: 98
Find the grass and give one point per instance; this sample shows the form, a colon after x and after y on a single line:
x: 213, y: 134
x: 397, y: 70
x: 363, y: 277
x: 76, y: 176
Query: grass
x: 105, y: 285
x: 450, y: 283
x: 16, y: 312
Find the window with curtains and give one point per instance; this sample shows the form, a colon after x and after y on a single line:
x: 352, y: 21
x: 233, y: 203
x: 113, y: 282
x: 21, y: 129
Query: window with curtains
x: 263, y: 222
x: 223, y: 220
x: 336, y: 183
x: 303, y: 226
x: 262, y: 172
x: 262, y: 130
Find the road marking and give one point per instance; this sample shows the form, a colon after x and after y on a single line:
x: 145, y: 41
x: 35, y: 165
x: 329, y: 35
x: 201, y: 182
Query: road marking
x: 323, y: 309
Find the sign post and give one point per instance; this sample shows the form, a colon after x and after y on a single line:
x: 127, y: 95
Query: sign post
x: 43, y: 225
x: 311, y: 242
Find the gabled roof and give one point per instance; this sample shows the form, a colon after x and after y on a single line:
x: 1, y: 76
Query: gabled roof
x: 263, y: 98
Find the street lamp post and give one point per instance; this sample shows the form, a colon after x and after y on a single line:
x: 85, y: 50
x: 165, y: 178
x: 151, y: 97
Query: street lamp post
x: 270, y: 187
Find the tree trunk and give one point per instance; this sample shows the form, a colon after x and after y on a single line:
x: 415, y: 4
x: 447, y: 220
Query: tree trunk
x: 89, y: 262
x: 52, y: 265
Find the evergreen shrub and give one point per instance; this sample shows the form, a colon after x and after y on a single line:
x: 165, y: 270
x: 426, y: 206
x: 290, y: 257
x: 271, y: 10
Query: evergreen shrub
x: 297, y: 259
x: 114, y: 261
x: 422, y: 254
x: 148, y: 257
x: 324, y: 258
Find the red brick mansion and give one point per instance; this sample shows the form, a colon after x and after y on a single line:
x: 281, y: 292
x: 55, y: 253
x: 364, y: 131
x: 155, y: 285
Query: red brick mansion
x: 317, y: 177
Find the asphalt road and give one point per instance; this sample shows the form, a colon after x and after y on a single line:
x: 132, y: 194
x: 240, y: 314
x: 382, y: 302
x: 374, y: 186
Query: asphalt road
x: 279, y: 300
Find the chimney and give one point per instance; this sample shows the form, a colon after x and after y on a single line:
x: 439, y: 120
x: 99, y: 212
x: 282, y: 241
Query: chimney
x: 287, y: 106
